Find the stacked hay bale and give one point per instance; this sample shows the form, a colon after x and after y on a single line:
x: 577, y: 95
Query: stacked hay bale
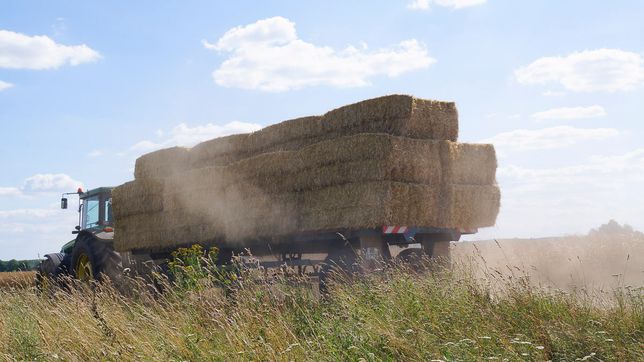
x: 392, y: 160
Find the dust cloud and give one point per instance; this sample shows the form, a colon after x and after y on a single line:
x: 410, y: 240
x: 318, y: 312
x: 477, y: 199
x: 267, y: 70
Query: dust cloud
x: 609, y: 257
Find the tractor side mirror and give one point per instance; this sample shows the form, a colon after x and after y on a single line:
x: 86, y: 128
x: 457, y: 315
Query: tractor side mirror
x: 63, y: 203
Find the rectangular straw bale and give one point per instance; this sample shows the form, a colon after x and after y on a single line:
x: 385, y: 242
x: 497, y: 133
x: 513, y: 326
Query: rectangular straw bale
x: 399, y: 115
x: 248, y: 205
x: 195, y: 189
x: 405, y: 204
x: 219, y: 151
x: 162, y: 229
x: 345, y: 218
x: 414, y: 171
x: 471, y: 206
x: 261, y: 215
x: 252, y: 228
x: 394, y: 203
x: 358, y: 158
x: 137, y: 197
x: 267, y: 166
x: 467, y: 163
x: 284, y: 132
x: 161, y: 163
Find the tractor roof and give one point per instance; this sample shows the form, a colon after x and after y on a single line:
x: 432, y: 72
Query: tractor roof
x: 96, y: 191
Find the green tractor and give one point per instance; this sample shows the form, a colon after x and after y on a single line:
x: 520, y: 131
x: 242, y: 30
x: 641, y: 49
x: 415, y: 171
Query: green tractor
x: 91, y: 254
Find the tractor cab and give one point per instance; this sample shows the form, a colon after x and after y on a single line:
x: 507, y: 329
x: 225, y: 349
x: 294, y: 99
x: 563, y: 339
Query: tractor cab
x: 91, y: 253
x: 94, y: 209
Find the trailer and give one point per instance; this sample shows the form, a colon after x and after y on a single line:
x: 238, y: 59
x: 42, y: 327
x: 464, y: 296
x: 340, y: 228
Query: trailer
x: 91, y: 255
x: 380, y: 179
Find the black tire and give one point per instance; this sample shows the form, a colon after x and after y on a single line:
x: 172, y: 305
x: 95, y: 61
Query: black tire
x: 50, y: 270
x: 411, y: 256
x: 103, y: 260
x: 338, y: 261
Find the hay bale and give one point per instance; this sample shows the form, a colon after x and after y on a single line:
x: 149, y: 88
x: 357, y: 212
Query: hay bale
x: 137, y: 197
x: 369, y: 157
x: 197, y: 189
x: 161, y: 163
x: 161, y: 230
x: 219, y: 151
x: 470, y: 206
x: 359, y: 158
x: 398, y: 115
x: 467, y: 163
x: 370, y: 204
x: 283, y: 133
x: 251, y: 215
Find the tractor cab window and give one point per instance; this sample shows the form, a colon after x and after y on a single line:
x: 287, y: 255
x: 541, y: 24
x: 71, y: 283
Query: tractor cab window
x: 91, y: 212
x: 108, y: 211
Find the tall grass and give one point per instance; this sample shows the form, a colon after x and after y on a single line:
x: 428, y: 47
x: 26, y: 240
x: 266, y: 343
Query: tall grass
x: 391, y: 314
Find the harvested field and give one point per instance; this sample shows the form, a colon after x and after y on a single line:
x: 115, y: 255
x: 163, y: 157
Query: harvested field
x: 393, y: 315
x: 598, y: 261
x: 19, y: 279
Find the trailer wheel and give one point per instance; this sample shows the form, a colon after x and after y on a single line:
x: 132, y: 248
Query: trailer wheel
x: 411, y: 256
x: 93, y: 259
x: 339, y: 261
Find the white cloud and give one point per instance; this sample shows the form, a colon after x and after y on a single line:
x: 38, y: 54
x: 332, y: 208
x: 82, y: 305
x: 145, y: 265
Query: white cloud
x: 607, y: 70
x: 95, y: 153
x: 184, y: 135
x: 454, y: 4
x: 571, y: 113
x: 267, y: 55
x: 20, y: 51
x: 418, y: 5
x: 59, y: 182
x: 549, y: 201
x: 551, y: 93
x: 5, y: 85
x: 548, y: 138
x: 27, y: 213
x: 10, y: 191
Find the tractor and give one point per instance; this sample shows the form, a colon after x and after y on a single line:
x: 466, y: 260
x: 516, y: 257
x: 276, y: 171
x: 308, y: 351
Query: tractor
x: 91, y: 254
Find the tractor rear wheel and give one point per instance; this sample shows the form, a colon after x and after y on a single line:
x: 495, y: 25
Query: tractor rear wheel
x: 93, y: 260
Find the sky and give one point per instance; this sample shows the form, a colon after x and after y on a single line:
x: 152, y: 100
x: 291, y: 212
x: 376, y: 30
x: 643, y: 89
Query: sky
x: 87, y: 87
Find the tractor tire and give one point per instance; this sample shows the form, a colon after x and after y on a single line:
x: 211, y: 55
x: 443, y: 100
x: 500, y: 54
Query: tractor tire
x: 341, y: 261
x: 50, y: 270
x: 92, y: 259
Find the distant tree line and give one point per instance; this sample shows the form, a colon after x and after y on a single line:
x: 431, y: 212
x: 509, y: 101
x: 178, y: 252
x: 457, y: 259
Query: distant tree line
x: 17, y: 265
x: 612, y: 227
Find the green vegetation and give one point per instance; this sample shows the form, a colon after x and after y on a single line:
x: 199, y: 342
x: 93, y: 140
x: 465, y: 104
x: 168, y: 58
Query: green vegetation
x: 393, y: 314
x: 18, y: 265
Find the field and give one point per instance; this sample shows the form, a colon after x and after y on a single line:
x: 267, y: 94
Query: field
x: 482, y: 310
x: 21, y: 279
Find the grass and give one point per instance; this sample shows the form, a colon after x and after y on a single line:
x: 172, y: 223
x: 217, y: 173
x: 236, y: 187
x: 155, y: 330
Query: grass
x: 393, y: 314
x: 17, y: 279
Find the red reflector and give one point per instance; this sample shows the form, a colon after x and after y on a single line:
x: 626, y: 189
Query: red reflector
x: 108, y: 229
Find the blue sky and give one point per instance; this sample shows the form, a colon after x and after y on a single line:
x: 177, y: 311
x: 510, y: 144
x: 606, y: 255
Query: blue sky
x: 86, y: 87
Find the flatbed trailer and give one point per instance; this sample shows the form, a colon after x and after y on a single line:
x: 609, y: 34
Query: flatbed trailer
x: 91, y: 254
